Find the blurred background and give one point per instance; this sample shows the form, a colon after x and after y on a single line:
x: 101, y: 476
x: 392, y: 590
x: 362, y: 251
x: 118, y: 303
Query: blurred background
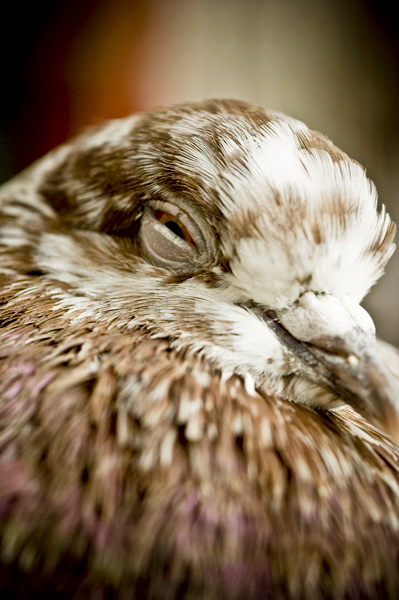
x: 331, y: 63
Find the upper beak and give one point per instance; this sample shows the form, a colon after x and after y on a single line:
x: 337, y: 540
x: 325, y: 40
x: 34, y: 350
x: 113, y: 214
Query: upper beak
x: 332, y: 343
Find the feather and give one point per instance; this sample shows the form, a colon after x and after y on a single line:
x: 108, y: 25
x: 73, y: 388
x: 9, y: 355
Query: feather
x: 192, y: 402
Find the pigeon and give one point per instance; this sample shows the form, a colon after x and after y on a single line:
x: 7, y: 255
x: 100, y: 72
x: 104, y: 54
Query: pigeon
x: 193, y: 403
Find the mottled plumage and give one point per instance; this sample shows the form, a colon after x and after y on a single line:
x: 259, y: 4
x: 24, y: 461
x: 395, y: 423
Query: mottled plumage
x: 181, y: 354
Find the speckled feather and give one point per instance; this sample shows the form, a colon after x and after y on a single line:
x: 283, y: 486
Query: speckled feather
x: 132, y: 464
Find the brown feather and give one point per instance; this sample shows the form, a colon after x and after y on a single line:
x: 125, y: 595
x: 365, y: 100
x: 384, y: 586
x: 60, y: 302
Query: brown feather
x: 131, y: 469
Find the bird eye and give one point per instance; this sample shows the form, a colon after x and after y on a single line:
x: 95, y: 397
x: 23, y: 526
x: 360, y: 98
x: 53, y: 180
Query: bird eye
x: 175, y: 236
x: 174, y: 224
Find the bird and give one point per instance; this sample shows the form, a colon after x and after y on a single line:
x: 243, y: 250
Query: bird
x: 194, y: 405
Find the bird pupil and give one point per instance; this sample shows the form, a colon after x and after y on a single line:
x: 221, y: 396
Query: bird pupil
x: 175, y: 228
x: 174, y: 225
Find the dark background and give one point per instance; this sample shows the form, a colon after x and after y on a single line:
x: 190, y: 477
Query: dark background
x: 330, y: 63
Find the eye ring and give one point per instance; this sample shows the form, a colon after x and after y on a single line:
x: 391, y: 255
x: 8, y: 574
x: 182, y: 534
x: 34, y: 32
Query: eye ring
x: 176, y: 236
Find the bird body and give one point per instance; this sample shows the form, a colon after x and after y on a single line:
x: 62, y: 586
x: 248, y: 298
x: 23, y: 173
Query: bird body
x: 192, y: 402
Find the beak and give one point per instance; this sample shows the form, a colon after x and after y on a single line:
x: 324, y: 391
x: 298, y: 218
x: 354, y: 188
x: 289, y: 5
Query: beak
x: 332, y: 343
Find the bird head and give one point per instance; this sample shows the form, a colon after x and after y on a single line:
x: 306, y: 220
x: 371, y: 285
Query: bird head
x: 236, y: 234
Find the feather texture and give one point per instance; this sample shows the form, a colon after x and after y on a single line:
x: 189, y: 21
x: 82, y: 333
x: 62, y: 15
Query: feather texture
x: 156, y: 438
